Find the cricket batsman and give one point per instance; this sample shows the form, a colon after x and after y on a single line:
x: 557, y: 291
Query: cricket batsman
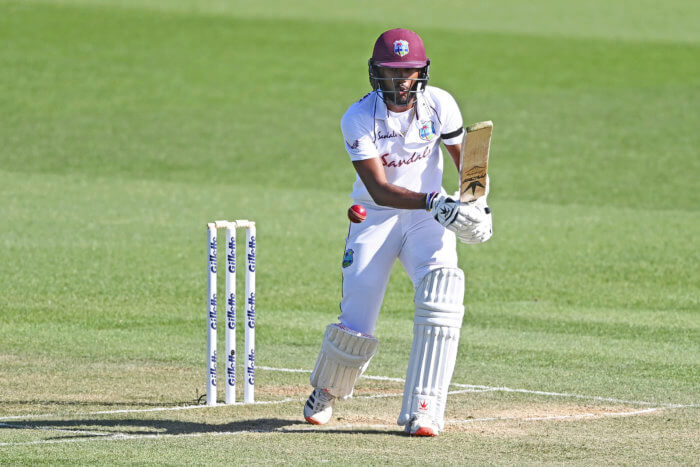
x: 393, y: 137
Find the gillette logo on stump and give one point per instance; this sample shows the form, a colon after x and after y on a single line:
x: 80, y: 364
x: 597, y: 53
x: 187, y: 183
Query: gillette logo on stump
x: 231, y: 369
x: 251, y: 254
x: 251, y: 311
x: 250, y: 370
x: 212, y: 369
x: 231, y: 312
x: 212, y: 311
x: 212, y: 256
x: 231, y: 257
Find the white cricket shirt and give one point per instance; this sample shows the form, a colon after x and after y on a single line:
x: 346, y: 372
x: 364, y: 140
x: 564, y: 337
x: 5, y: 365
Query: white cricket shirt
x: 408, y: 144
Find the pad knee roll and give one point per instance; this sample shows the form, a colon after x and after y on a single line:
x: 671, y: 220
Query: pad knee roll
x: 344, y: 356
x: 438, y: 319
x: 439, y: 298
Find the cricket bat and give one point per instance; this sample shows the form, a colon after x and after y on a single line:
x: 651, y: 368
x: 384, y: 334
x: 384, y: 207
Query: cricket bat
x: 474, y: 161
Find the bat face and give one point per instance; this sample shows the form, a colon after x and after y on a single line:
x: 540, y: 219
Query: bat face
x: 474, y: 161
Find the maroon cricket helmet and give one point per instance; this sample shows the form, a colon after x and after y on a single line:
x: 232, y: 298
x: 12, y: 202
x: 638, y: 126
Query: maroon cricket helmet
x: 399, y: 48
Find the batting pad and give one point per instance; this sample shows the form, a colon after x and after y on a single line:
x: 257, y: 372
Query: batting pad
x: 344, y: 356
x: 439, y: 311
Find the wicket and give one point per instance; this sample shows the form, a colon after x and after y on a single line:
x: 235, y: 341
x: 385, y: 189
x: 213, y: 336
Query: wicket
x: 230, y: 330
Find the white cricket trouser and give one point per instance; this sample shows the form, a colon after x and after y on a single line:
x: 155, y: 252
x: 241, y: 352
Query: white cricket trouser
x: 413, y: 236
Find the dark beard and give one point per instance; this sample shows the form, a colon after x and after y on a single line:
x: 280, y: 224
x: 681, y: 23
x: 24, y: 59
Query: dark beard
x: 402, y: 101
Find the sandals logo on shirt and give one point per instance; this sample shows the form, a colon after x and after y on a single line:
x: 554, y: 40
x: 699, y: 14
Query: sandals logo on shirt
x: 348, y: 257
x: 426, y: 130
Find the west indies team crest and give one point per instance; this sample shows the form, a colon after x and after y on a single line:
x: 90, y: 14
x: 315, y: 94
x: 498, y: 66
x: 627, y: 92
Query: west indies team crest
x: 426, y: 130
x: 401, y: 48
x: 348, y: 257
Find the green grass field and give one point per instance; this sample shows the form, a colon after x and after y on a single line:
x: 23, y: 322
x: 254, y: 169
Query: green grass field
x: 126, y: 125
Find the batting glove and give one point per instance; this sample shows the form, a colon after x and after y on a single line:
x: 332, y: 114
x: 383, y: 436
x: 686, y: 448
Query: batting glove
x: 452, y: 214
x: 477, y: 232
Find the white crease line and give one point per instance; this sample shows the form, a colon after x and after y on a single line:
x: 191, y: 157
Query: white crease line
x: 559, y: 417
x: 561, y: 394
x: 382, y: 378
x: 492, y: 388
x: 281, y: 401
x: 400, y: 394
x: 282, y: 370
x: 468, y: 391
x: 347, y: 426
x: 104, y: 412
x: 378, y: 396
x: 153, y: 409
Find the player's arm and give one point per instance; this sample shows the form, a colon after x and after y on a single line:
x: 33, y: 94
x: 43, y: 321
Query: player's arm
x: 455, y: 150
x: 371, y: 171
x: 452, y: 128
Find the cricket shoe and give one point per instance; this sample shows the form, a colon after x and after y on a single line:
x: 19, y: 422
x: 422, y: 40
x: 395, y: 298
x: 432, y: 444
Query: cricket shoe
x: 421, y: 425
x: 319, y: 407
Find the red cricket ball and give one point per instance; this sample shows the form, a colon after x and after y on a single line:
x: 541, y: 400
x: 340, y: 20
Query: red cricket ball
x: 357, y: 213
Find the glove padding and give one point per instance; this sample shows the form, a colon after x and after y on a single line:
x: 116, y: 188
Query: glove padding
x: 470, y: 222
x: 454, y: 215
x: 479, y: 232
x: 444, y: 209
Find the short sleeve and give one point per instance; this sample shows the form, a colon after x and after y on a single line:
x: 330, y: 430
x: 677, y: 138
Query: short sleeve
x: 452, y: 124
x: 358, y: 137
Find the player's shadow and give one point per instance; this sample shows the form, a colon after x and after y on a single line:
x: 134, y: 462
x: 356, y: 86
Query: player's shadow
x: 347, y: 431
x: 89, y: 428
x: 141, y: 427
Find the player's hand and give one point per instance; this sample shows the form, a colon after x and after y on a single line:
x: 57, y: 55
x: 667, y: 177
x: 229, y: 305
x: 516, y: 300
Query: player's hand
x: 443, y: 208
x: 471, y: 231
x: 471, y: 222
x: 452, y: 214
x: 481, y: 231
